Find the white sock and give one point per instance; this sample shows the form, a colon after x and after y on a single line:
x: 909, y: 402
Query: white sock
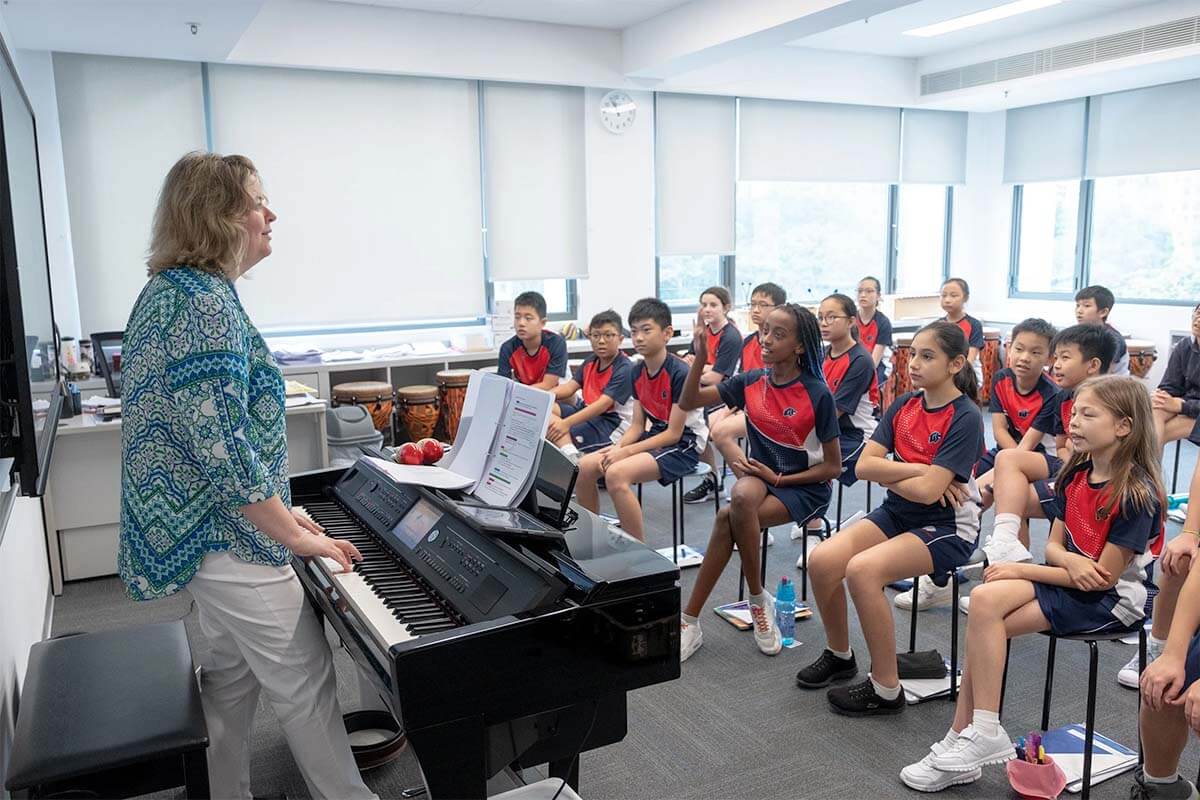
x: 1148, y: 778
x: 759, y: 599
x: 570, y: 451
x: 1006, y: 526
x: 1155, y: 645
x: 844, y: 655
x: 886, y: 692
x: 689, y: 619
x: 986, y: 722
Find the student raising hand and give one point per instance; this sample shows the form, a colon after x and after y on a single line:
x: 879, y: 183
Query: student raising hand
x: 699, y: 342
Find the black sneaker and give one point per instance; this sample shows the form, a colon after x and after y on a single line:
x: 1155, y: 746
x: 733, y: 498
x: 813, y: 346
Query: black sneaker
x: 702, y: 491
x: 1181, y: 789
x: 825, y: 670
x: 860, y: 700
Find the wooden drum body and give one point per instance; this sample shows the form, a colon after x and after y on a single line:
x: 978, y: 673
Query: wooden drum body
x: 452, y: 391
x: 375, y: 396
x: 899, y: 382
x: 989, y: 361
x: 1142, y: 355
x: 418, y: 410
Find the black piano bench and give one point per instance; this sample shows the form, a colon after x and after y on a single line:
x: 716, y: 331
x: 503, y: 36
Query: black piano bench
x: 112, y: 714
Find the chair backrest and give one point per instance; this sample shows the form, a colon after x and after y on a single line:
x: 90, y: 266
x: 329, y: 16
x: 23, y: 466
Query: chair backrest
x: 104, y: 347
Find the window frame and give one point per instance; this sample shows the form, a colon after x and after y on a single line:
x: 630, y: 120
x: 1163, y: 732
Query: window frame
x: 1083, y: 252
x: 892, y: 271
x: 726, y: 276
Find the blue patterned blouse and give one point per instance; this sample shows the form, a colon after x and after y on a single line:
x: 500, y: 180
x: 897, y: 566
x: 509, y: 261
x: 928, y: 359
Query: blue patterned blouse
x: 203, y: 432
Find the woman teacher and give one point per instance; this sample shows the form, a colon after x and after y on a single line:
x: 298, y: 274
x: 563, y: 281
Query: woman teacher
x: 205, y: 502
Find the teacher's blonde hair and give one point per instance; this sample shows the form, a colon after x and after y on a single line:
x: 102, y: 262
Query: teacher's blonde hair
x: 198, y: 219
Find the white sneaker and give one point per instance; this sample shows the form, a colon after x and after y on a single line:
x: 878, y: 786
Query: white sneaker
x: 766, y: 632
x: 690, y: 639
x: 1128, y: 676
x: 973, y: 750
x: 931, y: 595
x: 803, y: 530
x: 924, y: 777
x: 964, y: 604
x: 770, y: 541
x: 1004, y: 550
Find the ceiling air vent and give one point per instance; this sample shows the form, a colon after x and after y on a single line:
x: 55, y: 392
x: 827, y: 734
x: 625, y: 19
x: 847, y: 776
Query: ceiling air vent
x: 1177, y: 33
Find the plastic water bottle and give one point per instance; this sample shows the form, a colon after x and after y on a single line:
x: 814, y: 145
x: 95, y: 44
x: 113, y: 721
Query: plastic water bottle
x: 785, y: 610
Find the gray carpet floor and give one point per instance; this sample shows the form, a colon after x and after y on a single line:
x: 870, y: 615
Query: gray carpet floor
x: 734, y: 724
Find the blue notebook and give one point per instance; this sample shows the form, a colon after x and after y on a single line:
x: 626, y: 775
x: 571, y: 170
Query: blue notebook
x: 1109, y: 758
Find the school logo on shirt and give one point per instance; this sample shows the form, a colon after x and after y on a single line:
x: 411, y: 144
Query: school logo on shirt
x: 789, y: 412
x: 1102, y: 513
x: 663, y: 395
x: 1023, y: 413
x: 935, y: 437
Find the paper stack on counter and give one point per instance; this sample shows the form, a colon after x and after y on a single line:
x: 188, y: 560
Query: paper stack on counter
x: 499, y: 443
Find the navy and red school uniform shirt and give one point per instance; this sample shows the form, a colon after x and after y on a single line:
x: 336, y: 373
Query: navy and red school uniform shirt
x: 1182, y: 376
x: 1120, y: 360
x: 877, y: 330
x: 614, y: 380
x: 1090, y: 525
x: 724, y: 349
x: 519, y: 364
x: 852, y: 379
x: 752, y: 353
x: 971, y: 328
x: 657, y: 393
x: 786, y: 424
x: 1020, y: 410
x: 1055, y: 416
x: 950, y: 436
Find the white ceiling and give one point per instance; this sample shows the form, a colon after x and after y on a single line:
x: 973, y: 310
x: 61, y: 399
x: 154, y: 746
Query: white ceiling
x: 884, y: 34
x: 614, y: 14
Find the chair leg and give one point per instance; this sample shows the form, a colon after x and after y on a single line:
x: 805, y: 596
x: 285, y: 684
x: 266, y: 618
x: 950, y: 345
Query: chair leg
x: 639, y: 490
x: 1141, y: 669
x: 912, y: 625
x: 1004, y: 677
x: 838, y: 521
x: 195, y: 775
x: 954, y: 639
x: 1175, y: 472
x: 868, y: 497
x: 682, y: 532
x: 676, y: 487
x: 804, y: 563
x: 1049, y: 682
x: 1089, y: 731
x: 762, y: 556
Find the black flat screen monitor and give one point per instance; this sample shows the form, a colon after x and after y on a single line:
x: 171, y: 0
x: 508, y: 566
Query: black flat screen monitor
x: 28, y: 351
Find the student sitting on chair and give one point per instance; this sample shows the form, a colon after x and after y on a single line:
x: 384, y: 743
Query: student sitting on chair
x: 724, y: 348
x: 792, y: 427
x: 1110, y: 502
x: 603, y: 381
x: 1170, y: 689
x: 1020, y: 392
x: 874, y: 328
x: 955, y: 294
x: 1177, y: 401
x: 928, y: 522
x: 1093, y: 304
x: 1020, y: 485
x: 663, y: 442
x: 725, y: 433
x: 850, y: 375
x: 534, y: 356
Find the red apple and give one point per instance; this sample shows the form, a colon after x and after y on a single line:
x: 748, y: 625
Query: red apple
x: 432, y: 450
x: 409, y: 453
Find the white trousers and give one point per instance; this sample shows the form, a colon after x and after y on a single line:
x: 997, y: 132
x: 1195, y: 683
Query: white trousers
x: 265, y: 636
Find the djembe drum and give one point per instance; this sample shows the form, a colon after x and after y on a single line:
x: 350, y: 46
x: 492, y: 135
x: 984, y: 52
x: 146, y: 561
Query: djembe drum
x: 989, y: 361
x: 1142, y: 355
x: 418, y: 410
x: 452, y: 391
x: 375, y: 396
x: 899, y: 382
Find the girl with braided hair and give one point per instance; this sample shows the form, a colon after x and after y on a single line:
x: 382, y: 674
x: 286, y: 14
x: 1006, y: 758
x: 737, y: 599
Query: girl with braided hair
x: 791, y: 424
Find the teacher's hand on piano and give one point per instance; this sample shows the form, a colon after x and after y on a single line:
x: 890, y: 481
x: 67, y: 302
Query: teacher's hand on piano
x: 319, y: 545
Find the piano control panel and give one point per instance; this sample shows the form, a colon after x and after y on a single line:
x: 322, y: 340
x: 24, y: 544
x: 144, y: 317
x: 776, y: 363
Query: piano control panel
x: 480, y: 576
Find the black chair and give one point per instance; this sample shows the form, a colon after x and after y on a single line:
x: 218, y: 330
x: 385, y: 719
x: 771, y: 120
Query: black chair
x: 824, y: 534
x: 104, y: 347
x: 678, y: 532
x: 977, y: 560
x: 112, y: 714
x: 1092, y: 639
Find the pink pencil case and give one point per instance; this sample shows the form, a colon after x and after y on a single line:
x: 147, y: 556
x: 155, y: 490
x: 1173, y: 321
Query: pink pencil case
x: 1036, y: 781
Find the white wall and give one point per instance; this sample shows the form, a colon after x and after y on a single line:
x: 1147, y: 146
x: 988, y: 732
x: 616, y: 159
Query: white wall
x: 25, y: 607
x: 982, y: 227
